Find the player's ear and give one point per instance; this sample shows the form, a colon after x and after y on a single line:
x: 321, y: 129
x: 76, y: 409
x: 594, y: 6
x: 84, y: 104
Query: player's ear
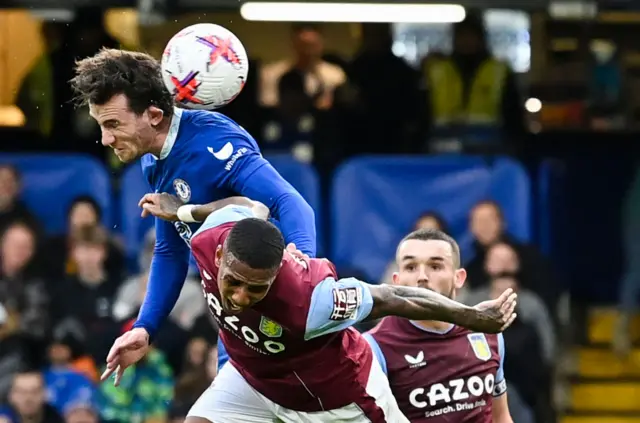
x: 460, y: 278
x: 218, y: 255
x: 155, y: 115
x: 395, y: 278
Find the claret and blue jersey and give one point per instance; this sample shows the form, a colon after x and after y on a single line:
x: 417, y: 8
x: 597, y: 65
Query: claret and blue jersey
x: 208, y: 157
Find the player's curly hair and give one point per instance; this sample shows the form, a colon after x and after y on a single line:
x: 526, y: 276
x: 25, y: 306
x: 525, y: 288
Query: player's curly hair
x: 257, y: 243
x: 436, y: 235
x: 111, y: 72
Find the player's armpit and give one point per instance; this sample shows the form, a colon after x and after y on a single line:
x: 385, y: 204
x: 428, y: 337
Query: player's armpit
x: 500, y: 409
x: 424, y: 304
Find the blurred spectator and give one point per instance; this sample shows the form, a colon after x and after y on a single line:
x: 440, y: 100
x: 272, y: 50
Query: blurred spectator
x: 320, y: 77
x: 28, y: 401
x: 427, y: 220
x: 531, y: 310
x: 81, y: 413
x: 46, y: 91
x: 129, y: 298
x: 11, y: 208
x: 14, y: 352
x: 488, y: 227
x: 144, y: 394
x: 67, y: 351
x: 87, y: 296
x: 194, y: 378
x: 83, y: 211
x: 473, y: 97
x: 68, y: 390
x: 22, y: 290
x: 630, y: 285
x: 388, y: 93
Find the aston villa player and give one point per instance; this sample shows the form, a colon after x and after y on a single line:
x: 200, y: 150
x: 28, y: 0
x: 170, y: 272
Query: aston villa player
x: 439, y: 372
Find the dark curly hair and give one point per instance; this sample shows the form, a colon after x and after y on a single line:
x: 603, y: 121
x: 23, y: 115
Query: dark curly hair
x: 111, y: 72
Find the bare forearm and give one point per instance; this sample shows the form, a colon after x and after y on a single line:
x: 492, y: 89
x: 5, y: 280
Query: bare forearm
x: 424, y: 304
x: 200, y: 212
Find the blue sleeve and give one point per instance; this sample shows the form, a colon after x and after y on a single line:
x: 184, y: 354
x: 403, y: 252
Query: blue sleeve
x: 169, y: 268
x: 377, y: 352
x: 247, y: 173
x: 501, y: 383
x: 227, y: 214
x: 337, y: 305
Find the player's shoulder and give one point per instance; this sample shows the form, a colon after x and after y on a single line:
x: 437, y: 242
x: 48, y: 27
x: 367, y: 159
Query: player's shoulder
x: 216, y: 133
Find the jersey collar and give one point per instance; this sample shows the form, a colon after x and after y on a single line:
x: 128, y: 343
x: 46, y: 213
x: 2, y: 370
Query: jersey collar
x: 172, y: 135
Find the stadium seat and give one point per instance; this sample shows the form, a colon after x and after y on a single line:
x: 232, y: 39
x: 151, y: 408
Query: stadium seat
x: 52, y: 181
x: 550, y: 195
x: 376, y: 200
x: 133, y: 186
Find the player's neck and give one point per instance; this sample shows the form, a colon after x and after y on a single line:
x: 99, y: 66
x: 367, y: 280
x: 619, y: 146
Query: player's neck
x: 160, y: 138
x: 434, y: 325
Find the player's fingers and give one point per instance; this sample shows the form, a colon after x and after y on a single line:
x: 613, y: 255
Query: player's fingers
x: 509, y: 322
x: 508, y: 313
x: 507, y: 304
x: 119, y: 373
x: 107, y: 373
x: 504, y: 296
x: 147, y: 198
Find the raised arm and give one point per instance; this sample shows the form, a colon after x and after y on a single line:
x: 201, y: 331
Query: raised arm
x: 423, y: 304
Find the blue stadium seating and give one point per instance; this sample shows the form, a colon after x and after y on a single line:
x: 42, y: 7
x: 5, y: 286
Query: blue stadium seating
x: 550, y: 195
x: 375, y: 201
x: 51, y: 182
x: 133, y: 186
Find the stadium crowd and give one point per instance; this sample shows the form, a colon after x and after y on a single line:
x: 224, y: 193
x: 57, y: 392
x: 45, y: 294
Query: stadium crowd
x: 64, y: 298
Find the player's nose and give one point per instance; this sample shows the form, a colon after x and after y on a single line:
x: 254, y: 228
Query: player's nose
x: 240, y: 297
x: 107, y: 138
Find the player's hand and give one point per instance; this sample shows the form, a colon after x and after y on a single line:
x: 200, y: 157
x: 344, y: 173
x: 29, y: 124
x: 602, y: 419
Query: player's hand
x: 293, y: 250
x: 126, y: 351
x: 498, y: 314
x: 164, y: 206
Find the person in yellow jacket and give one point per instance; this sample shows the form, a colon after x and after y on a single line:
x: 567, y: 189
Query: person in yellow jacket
x: 470, y: 92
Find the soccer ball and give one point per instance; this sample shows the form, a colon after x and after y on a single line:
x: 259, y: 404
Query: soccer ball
x: 204, y: 66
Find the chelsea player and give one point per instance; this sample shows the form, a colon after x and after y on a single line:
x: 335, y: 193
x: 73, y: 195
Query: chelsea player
x: 199, y: 155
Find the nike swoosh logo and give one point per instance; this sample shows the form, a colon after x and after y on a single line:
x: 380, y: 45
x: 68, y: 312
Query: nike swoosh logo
x: 224, y: 153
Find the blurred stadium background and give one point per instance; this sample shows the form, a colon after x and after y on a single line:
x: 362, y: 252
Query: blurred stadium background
x: 513, y: 128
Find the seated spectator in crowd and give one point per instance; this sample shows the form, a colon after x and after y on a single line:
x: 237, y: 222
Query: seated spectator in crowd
x: 531, y: 309
x: 83, y: 211
x: 27, y: 399
x: 320, y: 77
x: 11, y: 207
x: 194, y: 378
x: 488, y: 227
x: 68, y: 384
x: 22, y: 289
x: 14, y: 352
x: 85, y: 299
x: 82, y: 413
x: 145, y: 391
x: 129, y: 298
x: 427, y: 220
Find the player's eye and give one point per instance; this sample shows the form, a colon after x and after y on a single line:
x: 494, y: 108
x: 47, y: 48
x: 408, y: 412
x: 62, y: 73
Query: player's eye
x: 410, y: 267
x: 436, y: 266
x: 256, y: 289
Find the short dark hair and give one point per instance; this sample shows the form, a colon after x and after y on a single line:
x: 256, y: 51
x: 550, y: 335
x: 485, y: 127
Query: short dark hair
x: 257, y: 243
x: 490, y: 203
x: 111, y: 72
x: 86, y: 199
x: 436, y: 235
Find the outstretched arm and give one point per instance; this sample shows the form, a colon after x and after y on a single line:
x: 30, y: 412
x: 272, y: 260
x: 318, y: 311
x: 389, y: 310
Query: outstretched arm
x: 424, y: 304
x: 169, y: 207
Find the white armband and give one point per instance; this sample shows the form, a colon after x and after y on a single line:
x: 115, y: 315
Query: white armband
x: 184, y: 213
